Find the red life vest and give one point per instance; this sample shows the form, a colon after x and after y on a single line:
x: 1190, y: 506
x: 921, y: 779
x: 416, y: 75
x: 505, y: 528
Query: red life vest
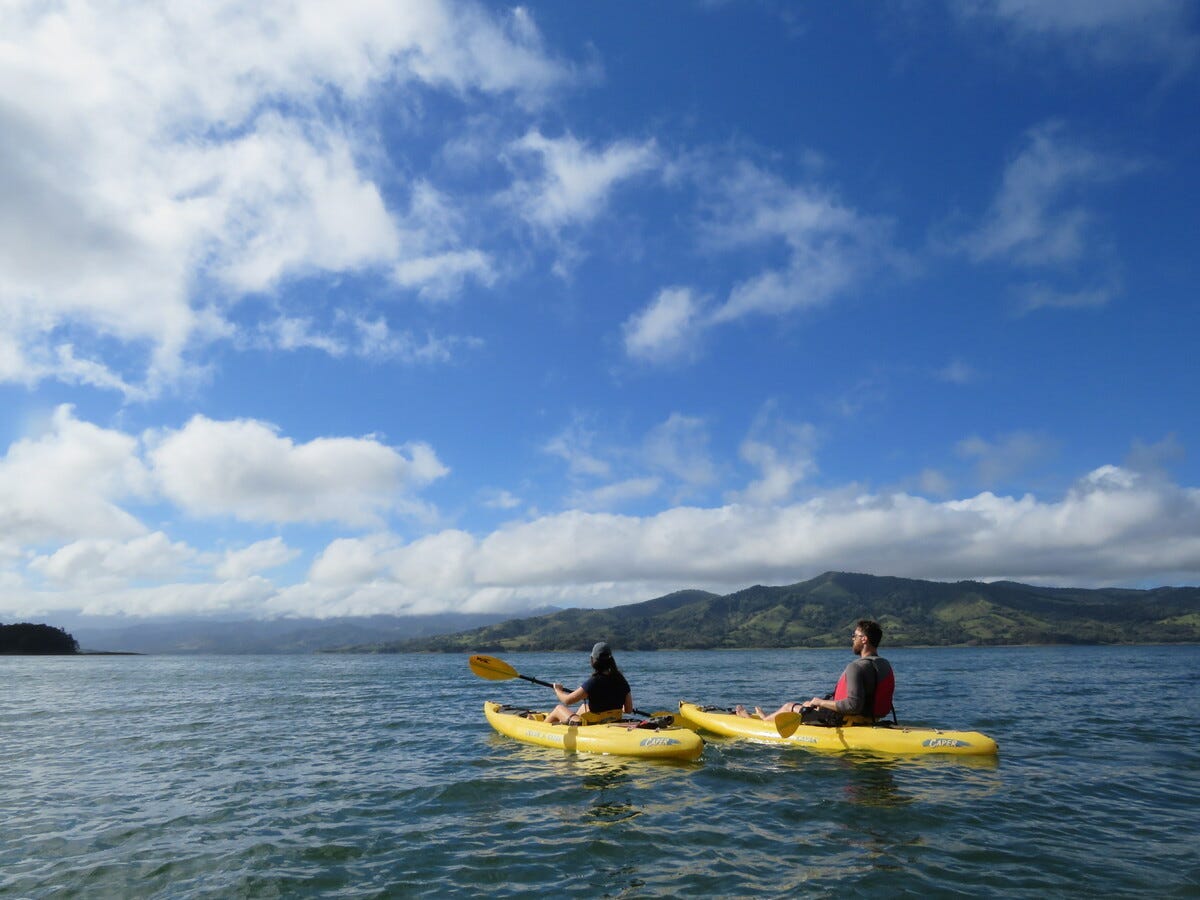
x: 878, y: 700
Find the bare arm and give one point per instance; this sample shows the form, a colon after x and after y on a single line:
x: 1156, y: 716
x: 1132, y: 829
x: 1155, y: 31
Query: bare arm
x: 573, y: 697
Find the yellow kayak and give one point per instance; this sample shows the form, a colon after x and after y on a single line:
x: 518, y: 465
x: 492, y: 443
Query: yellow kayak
x: 881, y: 738
x: 618, y: 738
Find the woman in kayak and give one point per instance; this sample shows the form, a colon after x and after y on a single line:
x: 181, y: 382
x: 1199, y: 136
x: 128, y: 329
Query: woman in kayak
x: 606, y: 691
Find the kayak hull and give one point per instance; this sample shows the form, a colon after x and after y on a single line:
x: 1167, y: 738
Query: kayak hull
x: 848, y: 738
x: 671, y: 742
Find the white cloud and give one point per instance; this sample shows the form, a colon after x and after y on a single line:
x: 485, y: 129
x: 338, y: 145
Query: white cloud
x: 829, y: 246
x: 1035, y: 219
x: 574, y: 446
x: 931, y: 481
x: 351, y: 560
x: 245, y: 470
x: 1154, y: 459
x: 442, y: 274
x: 290, y: 200
x: 1010, y: 455
x: 148, y: 147
x: 616, y: 494
x: 573, y: 182
x: 500, y: 499
x: 957, y: 371
x: 1106, y: 31
x: 238, y: 597
x: 783, y: 460
x: 1114, y: 526
x: 68, y: 483
x: 666, y: 329
x: 1042, y: 296
x: 679, y: 447
x: 258, y: 557
x: 1109, y: 527
x: 96, y: 563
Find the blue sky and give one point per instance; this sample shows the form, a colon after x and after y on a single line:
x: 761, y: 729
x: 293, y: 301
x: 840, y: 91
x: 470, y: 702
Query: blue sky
x: 370, y: 307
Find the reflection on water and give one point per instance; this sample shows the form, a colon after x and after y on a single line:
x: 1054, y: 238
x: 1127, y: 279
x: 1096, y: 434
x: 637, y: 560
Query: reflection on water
x: 872, y: 785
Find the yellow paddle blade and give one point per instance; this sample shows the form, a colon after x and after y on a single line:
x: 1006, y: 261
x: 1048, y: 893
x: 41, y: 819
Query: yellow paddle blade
x: 491, y: 668
x: 786, y: 723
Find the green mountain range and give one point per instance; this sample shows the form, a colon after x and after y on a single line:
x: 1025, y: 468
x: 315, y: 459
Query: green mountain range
x: 821, y: 612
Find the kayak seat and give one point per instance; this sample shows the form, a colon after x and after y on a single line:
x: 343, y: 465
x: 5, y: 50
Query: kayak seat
x: 600, y: 718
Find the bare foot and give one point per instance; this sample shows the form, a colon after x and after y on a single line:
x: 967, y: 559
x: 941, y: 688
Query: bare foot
x: 741, y: 711
x: 758, y: 712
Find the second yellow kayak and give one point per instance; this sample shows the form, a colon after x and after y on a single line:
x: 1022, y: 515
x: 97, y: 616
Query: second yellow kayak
x: 881, y: 738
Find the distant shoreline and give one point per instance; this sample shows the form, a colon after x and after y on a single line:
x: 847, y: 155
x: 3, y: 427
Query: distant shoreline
x: 76, y: 653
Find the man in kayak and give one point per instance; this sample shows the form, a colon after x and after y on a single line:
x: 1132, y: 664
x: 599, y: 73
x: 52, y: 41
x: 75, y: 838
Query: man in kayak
x: 606, y: 691
x: 865, y: 688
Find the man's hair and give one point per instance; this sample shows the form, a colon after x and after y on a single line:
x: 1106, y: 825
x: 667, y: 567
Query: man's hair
x: 872, y: 630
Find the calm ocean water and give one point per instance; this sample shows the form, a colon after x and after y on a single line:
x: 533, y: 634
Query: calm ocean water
x: 376, y: 776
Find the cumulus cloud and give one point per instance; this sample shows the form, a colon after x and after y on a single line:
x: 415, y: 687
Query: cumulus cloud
x: 102, y: 563
x: 69, y: 483
x: 1112, y: 526
x: 258, y: 557
x: 1115, y: 525
x: 137, y: 163
x: 246, y: 470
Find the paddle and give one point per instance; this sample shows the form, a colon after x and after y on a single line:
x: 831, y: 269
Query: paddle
x: 494, y: 669
x: 786, y: 723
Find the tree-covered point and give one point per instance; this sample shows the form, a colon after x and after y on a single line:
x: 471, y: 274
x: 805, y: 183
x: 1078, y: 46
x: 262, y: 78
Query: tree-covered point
x: 36, y: 639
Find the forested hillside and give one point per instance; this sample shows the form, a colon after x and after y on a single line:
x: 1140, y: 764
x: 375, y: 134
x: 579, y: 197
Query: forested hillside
x: 817, y: 613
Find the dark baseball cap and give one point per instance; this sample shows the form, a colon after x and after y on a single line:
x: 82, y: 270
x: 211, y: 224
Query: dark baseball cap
x: 601, y: 649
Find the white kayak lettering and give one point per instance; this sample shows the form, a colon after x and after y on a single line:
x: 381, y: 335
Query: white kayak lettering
x: 658, y: 742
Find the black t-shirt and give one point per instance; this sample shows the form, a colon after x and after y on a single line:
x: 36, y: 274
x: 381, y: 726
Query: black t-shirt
x: 605, y: 692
